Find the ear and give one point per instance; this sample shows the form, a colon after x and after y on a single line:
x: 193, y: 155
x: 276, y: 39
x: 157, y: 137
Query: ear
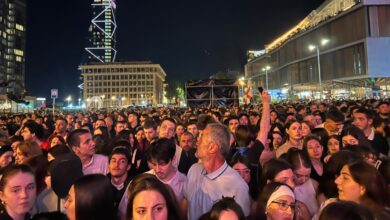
x: 75, y: 149
x: 362, y: 190
x: 2, y: 196
x: 128, y: 167
x: 213, y: 147
x: 268, y: 181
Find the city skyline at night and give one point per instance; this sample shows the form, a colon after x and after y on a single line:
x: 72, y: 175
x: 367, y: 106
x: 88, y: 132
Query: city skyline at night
x: 190, y: 40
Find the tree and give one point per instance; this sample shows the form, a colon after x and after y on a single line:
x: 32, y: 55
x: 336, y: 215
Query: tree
x: 175, y: 89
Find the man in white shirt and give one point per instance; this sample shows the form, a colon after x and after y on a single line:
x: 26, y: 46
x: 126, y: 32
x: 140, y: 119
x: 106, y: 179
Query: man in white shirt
x: 167, y: 130
x: 213, y: 178
x: 333, y: 123
x: 160, y: 158
x: 81, y: 143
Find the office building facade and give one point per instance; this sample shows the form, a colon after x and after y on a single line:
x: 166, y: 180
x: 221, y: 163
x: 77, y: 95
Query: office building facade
x: 12, y: 46
x: 122, y: 84
x: 350, y: 42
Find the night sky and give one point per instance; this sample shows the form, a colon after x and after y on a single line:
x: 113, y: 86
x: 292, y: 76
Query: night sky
x: 189, y: 39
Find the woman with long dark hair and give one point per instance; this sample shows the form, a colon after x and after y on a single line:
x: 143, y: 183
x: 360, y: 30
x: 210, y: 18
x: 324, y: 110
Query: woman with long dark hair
x: 294, y: 137
x: 306, y: 188
x: 91, y: 198
x: 313, y: 148
x: 149, y: 196
x: 361, y: 183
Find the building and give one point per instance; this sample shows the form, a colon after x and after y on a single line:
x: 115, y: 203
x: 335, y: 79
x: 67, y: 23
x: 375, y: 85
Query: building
x: 350, y: 42
x: 122, y: 84
x: 101, y: 40
x: 12, y: 46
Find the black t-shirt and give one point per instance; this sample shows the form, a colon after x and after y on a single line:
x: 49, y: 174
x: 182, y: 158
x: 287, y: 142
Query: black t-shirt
x: 380, y: 145
x: 187, y: 159
x: 118, y: 194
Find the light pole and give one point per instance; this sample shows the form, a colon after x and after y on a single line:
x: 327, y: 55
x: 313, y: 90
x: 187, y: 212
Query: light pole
x: 316, y: 47
x: 266, y: 75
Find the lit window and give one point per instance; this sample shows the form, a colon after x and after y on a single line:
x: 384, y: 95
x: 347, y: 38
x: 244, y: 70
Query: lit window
x: 18, y: 52
x: 19, y: 27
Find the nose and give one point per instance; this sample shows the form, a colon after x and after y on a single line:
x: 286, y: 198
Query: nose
x: 150, y: 216
x: 337, y: 180
x: 66, y: 205
x: 290, y: 211
x: 23, y: 194
x: 158, y: 168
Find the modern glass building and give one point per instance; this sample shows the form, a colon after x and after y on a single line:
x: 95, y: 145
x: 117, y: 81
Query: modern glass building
x: 341, y: 49
x: 122, y: 84
x: 12, y: 46
x: 101, y: 40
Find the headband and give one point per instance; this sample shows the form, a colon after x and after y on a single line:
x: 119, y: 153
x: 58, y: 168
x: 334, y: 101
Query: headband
x: 281, y: 191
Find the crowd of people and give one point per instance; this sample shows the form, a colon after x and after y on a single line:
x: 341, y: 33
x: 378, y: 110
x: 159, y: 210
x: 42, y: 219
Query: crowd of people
x: 289, y: 160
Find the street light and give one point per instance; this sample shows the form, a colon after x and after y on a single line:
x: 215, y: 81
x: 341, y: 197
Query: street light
x: 113, y: 98
x: 266, y: 75
x: 316, y: 47
x: 123, y: 99
x: 69, y: 99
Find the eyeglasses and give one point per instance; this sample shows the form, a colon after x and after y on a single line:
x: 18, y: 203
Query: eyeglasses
x: 284, y: 205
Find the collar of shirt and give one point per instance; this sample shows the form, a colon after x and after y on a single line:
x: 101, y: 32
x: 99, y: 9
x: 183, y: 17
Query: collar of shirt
x: 118, y: 187
x: 372, y: 135
x: 90, y: 162
x: 216, y: 173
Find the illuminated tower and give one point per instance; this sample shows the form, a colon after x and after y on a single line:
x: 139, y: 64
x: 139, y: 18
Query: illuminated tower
x: 101, y: 42
x: 12, y: 46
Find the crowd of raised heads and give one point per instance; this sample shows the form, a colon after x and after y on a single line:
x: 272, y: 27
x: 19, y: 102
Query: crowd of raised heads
x: 325, y: 160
